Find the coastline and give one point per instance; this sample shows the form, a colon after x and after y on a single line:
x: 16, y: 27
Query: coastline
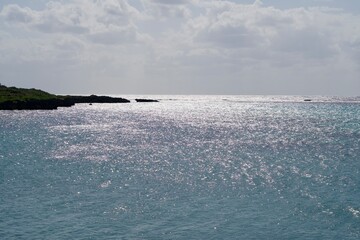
x: 12, y: 98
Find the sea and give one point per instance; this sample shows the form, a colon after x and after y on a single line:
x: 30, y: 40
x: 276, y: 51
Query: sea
x: 187, y: 167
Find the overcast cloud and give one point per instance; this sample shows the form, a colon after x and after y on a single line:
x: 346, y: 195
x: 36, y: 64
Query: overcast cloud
x: 181, y: 46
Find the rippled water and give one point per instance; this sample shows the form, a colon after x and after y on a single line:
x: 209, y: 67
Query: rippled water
x: 189, y: 167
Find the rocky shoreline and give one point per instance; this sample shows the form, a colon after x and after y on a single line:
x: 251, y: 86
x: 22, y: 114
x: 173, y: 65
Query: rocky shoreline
x: 12, y: 98
x: 52, y: 104
x: 145, y: 100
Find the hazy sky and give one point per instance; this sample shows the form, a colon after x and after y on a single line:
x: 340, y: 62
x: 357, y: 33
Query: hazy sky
x: 182, y: 46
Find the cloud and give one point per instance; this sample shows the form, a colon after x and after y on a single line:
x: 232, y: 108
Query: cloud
x: 54, y: 25
x: 115, y: 12
x: 313, y: 43
x: 167, y: 9
x: 116, y: 36
x: 14, y: 14
x: 311, y: 33
x: 157, y: 40
x: 173, y: 2
x: 229, y: 25
x: 253, y: 45
x: 75, y: 17
x: 56, y: 18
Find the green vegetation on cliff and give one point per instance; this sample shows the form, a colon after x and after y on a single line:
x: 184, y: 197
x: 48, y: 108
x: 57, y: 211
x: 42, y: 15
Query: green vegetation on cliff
x: 23, y: 94
x: 12, y: 98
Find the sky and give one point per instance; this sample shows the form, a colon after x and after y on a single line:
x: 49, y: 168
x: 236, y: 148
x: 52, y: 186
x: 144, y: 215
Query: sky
x: 267, y: 47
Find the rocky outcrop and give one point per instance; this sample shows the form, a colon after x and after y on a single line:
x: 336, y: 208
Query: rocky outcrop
x: 12, y: 98
x: 145, y: 100
x: 95, y: 99
x: 54, y: 103
x: 35, y: 104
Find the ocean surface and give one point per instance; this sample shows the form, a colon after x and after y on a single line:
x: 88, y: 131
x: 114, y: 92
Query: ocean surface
x: 188, y: 167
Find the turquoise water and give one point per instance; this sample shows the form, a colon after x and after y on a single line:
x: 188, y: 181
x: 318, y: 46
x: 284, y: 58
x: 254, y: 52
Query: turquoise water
x: 189, y: 167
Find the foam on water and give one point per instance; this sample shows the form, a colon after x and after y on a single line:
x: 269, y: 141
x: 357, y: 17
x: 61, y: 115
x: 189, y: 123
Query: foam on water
x: 189, y: 167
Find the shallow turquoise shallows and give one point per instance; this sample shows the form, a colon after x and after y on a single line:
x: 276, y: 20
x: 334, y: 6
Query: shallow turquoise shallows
x: 188, y: 167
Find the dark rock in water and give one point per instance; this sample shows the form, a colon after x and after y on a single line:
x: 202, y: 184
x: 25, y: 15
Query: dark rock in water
x: 95, y: 99
x: 35, y: 104
x: 307, y: 100
x: 145, y: 100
